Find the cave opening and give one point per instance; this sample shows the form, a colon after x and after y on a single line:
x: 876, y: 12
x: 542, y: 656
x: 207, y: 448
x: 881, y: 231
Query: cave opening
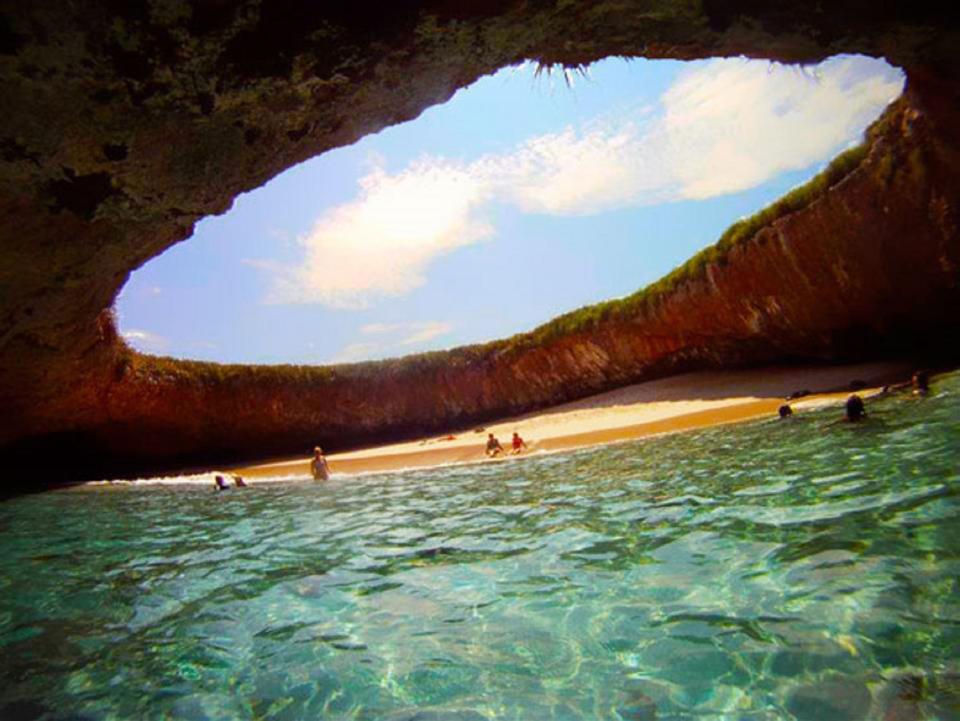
x: 519, y: 199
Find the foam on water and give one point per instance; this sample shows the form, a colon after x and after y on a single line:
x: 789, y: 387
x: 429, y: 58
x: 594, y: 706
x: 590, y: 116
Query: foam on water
x: 206, y: 479
x: 773, y: 570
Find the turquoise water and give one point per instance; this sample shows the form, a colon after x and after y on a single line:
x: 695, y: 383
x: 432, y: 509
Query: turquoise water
x: 773, y: 570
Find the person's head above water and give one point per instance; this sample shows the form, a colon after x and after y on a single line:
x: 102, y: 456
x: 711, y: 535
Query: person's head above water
x: 855, y: 409
x: 785, y: 410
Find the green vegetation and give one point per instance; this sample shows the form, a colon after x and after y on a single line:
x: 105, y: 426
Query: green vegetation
x: 568, y: 71
x: 591, y: 316
x: 204, y: 374
x: 201, y: 373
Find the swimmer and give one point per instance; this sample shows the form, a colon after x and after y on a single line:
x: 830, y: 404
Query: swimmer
x: 493, y: 446
x: 854, y: 409
x: 220, y: 483
x: 785, y: 410
x: 239, y: 482
x: 318, y: 465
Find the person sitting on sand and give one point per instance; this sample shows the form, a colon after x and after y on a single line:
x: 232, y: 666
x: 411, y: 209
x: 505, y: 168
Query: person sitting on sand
x: 518, y: 443
x: 318, y: 465
x: 493, y: 446
x: 220, y: 483
x: 855, y: 409
x: 785, y: 410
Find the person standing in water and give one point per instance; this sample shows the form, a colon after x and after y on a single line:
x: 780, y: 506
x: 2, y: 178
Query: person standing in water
x: 921, y: 383
x: 318, y: 465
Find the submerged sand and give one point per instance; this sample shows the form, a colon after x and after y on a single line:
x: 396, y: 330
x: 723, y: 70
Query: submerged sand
x: 682, y: 402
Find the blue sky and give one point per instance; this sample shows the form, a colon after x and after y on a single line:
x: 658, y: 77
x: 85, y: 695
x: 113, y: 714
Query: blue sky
x: 519, y: 199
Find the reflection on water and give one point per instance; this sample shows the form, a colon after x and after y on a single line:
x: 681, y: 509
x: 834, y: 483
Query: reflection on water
x: 775, y: 570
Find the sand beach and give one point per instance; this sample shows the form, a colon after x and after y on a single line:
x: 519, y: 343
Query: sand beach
x: 683, y: 402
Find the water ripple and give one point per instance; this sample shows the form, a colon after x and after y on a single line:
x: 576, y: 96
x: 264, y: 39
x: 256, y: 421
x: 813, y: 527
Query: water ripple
x: 764, y: 571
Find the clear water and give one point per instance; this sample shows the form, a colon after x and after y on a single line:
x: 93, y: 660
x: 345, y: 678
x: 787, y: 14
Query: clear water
x: 774, y: 570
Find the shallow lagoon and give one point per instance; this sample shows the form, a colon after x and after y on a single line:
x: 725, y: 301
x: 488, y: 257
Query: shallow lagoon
x: 772, y: 570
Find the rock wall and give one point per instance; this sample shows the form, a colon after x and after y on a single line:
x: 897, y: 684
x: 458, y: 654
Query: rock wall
x: 121, y: 124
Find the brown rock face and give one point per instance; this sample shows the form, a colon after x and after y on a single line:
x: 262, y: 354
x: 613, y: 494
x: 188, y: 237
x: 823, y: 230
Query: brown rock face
x: 122, y: 124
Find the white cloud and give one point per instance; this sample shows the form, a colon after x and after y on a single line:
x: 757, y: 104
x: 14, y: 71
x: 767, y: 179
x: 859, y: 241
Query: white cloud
x: 724, y: 126
x: 412, y: 333
x: 372, y: 328
x: 423, y: 332
x: 381, y: 243
x: 571, y: 173
x: 393, y: 339
x: 144, y: 340
x: 735, y: 124
x: 356, y: 352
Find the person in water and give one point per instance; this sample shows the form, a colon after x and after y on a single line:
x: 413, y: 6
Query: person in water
x: 855, y: 409
x: 220, y: 483
x: 493, y: 446
x: 318, y: 465
x: 519, y: 444
x: 239, y: 482
x: 785, y: 410
x: 921, y: 383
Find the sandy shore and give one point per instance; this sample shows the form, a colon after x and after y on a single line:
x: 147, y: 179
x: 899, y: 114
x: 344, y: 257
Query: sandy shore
x: 683, y: 402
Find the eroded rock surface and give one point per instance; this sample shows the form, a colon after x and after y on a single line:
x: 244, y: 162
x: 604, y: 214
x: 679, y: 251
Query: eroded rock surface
x: 122, y: 124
